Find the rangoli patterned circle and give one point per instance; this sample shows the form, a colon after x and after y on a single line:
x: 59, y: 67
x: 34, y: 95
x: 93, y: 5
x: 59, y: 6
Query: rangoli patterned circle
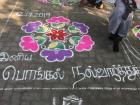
x: 136, y: 31
x: 56, y: 39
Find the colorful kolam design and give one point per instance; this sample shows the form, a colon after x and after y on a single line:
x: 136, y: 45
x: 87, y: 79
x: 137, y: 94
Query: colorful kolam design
x: 136, y: 31
x: 56, y: 39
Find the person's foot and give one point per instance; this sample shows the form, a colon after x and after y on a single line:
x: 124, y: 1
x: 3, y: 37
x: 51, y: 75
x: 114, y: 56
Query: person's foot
x: 116, y: 42
x: 114, y: 36
x: 111, y: 37
x: 115, y: 46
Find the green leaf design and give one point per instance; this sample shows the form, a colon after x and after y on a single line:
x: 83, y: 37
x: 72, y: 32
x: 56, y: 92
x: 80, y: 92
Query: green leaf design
x: 42, y: 29
x: 56, y: 45
x: 74, y: 40
x: 60, y: 46
x: 73, y: 29
x: 58, y: 25
x: 41, y: 39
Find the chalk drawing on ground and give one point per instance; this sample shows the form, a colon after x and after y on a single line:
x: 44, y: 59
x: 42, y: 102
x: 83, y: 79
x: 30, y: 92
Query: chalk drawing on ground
x: 27, y: 13
x: 89, y: 88
x: 78, y: 74
x: 59, y: 2
x: 132, y: 50
x: 72, y: 100
x: 13, y: 9
x: 136, y: 31
x: 129, y: 48
x: 56, y: 39
x: 135, y: 50
x: 6, y: 57
x: 67, y: 100
x: 126, y: 53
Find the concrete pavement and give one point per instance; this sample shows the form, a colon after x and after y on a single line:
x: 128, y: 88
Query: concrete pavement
x: 90, y: 76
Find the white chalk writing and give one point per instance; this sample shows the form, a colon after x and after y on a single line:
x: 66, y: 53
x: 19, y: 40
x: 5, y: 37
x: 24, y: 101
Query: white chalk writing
x: 31, y: 14
x: 119, y: 73
x: 11, y: 73
x: 5, y: 57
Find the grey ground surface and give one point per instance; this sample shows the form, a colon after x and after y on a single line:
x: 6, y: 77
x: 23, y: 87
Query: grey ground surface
x: 51, y: 92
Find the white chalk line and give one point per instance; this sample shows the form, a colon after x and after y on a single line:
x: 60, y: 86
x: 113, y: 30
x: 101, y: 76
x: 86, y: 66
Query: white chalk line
x: 132, y: 46
x: 131, y: 51
x: 83, y: 88
x: 8, y: 19
x: 127, y: 55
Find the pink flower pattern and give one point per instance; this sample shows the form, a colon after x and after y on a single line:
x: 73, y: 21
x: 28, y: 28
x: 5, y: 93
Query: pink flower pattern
x: 29, y: 44
x: 85, y: 44
x: 59, y: 19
